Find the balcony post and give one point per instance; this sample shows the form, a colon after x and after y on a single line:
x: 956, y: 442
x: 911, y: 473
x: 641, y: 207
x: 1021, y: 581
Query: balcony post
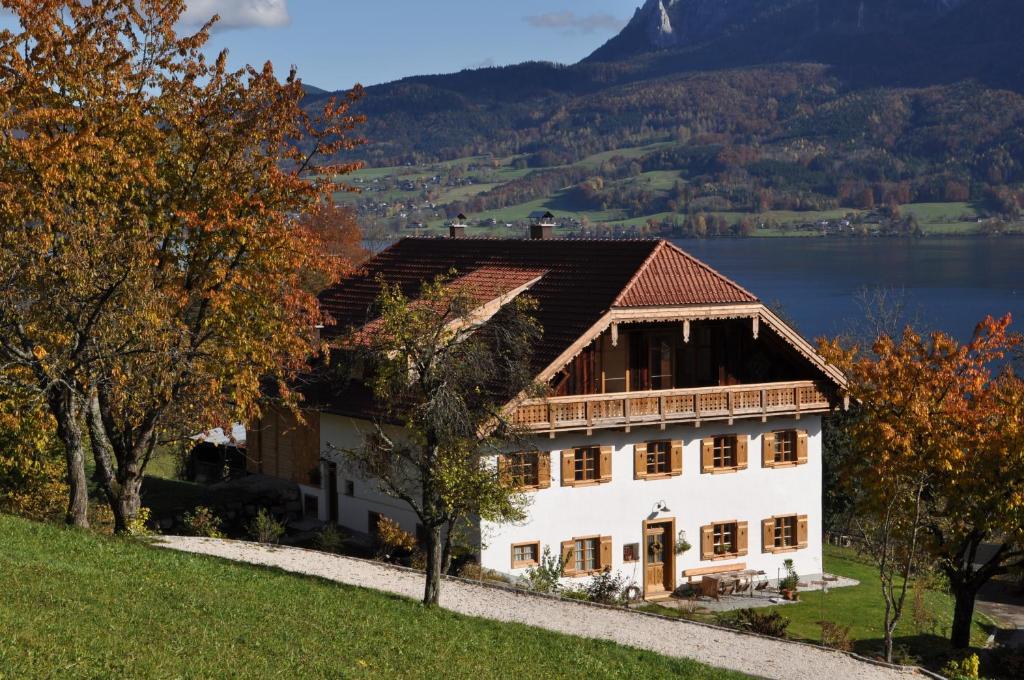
x: 728, y: 399
x: 764, y: 405
x: 625, y: 411
x: 661, y: 410
x: 796, y: 401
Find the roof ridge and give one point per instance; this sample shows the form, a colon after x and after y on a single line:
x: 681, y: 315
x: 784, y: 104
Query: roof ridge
x: 704, y: 265
x: 639, y: 271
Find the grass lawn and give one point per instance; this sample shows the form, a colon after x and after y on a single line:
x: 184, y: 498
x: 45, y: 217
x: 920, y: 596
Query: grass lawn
x: 861, y: 607
x: 80, y: 605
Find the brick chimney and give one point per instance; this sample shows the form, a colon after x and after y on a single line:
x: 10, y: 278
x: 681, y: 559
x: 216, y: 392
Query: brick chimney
x: 544, y: 230
x: 457, y: 228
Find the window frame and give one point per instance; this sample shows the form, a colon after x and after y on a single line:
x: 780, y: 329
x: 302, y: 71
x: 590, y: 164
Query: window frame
x: 730, y: 444
x: 512, y: 466
x: 665, y: 461
x: 580, y: 464
x: 522, y: 564
x: 782, y: 438
x: 734, y: 532
x: 596, y: 540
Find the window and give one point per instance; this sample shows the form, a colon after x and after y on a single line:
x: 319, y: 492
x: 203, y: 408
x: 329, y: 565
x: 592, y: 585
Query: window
x: 784, y: 533
x: 523, y: 469
x: 585, y: 555
x: 525, y: 554
x: 373, y: 523
x: 784, y: 448
x: 586, y: 465
x: 588, y: 554
x: 724, y: 453
x: 631, y: 552
x: 310, y: 506
x: 586, y: 462
x: 723, y: 540
x: 657, y: 460
x: 350, y: 487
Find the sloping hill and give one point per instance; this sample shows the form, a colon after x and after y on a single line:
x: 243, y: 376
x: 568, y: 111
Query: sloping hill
x: 79, y: 605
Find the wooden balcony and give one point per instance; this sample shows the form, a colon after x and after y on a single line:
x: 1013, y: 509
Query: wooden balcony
x: 664, y: 407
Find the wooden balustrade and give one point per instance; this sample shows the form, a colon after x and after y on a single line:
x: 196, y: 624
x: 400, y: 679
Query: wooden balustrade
x: 627, y: 409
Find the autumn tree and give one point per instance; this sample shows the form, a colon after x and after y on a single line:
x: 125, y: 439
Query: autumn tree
x: 442, y: 374
x: 942, y: 422
x: 151, y: 273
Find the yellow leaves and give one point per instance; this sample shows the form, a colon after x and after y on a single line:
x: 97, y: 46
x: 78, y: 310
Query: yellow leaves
x: 39, y: 352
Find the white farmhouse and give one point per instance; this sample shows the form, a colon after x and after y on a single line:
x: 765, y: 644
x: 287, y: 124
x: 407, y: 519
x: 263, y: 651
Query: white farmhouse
x: 681, y: 409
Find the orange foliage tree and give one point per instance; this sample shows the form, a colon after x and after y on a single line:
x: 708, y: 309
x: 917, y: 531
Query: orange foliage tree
x: 950, y: 416
x: 151, y: 272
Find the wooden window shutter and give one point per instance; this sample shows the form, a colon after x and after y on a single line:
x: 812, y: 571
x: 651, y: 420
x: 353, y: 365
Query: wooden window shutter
x: 543, y: 469
x: 639, y: 461
x: 741, y: 451
x: 801, y: 447
x: 568, y: 558
x: 768, y: 449
x: 568, y: 467
x: 801, y: 531
x: 677, y: 457
x: 741, y: 538
x: 707, y: 454
x: 503, y: 469
x: 768, y: 535
x: 606, y: 464
x: 707, y: 542
x: 606, y: 552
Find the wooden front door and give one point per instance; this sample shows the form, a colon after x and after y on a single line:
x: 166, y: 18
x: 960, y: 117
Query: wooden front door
x: 659, y: 557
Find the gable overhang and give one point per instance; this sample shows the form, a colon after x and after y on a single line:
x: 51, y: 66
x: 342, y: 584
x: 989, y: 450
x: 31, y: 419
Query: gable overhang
x: 757, y: 312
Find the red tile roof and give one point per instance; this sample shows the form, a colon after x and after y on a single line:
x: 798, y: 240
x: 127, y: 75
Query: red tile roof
x: 580, y: 281
x: 671, y: 277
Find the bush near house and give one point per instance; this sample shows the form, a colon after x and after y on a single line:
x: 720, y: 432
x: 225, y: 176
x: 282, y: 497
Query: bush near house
x: 193, y: 616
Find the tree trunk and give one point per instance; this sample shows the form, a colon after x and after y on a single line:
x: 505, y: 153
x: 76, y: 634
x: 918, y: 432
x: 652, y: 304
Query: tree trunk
x: 432, y: 589
x: 963, y: 615
x: 66, y: 409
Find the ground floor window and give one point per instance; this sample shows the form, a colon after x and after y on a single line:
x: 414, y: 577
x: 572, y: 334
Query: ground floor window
x: 525, y: 554
x: 725, y: 538
x: 310, y: 506
x: 785, y: 532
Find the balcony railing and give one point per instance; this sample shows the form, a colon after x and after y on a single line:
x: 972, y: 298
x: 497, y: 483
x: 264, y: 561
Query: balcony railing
x: 628, y: 409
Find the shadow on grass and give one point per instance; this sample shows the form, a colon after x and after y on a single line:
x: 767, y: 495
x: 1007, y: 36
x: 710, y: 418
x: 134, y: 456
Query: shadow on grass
x: 166, y: 497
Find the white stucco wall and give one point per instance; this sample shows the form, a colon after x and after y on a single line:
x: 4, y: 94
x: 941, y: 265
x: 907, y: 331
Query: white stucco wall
x: 618, y: 508
x: 338, y: 433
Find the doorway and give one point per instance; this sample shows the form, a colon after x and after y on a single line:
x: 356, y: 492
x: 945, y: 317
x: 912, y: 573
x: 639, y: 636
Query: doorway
x: 659, y: 558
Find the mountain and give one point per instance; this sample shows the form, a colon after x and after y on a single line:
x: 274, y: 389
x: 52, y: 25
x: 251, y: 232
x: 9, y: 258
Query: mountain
x: 785, y: 103
x: 663, y: 24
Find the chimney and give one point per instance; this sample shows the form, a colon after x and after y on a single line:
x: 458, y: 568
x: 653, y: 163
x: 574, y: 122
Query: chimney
x: 544, y: 230
x: 457, y: 228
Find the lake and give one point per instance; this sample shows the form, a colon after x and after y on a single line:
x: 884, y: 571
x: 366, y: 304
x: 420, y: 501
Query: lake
x: 948, y: 284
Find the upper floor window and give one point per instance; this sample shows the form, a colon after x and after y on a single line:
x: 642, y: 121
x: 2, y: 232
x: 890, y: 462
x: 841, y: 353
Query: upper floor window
x: 784, y: 448
x: 527, y: 470
x: 658, y: 459
x: 724, y: 453
x: 586, y: 465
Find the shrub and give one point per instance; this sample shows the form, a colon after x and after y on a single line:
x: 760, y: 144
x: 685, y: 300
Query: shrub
x: 473, y: 571
x: 902, y: 656
x: 264, y: 528
x: 963, y: 669
x: 329, y: 539
x: 34, y: 488
x: 202, y: 521
x: 140, y: 525
x: 770, y: 623
x: 393, y: 541
x: 606, y: 587
x: 791, y: 579
x: 545, y: 577
x: 836, y: 635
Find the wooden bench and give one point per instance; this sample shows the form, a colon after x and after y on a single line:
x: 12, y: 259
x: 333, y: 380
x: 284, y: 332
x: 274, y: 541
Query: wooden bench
x: 714, y: 570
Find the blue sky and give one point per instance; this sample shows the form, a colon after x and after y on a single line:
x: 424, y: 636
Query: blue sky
x: 336, y: 43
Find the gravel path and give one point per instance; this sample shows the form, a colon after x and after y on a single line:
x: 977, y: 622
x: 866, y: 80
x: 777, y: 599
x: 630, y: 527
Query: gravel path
x: 721, y: 648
